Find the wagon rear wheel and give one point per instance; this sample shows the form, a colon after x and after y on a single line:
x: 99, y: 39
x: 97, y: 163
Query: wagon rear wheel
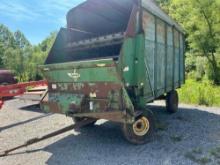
x: 172, y: 101
x: 141, y: 131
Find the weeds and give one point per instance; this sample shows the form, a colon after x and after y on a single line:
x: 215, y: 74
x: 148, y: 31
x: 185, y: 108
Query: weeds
x: 201, y: 93
x: 194, y: 156
x: 198, y: 156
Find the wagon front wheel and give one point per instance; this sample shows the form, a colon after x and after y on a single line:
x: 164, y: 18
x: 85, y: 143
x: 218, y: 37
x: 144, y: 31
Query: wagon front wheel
x: 141, y: 131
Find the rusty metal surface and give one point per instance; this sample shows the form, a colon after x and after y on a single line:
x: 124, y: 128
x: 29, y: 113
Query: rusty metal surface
x: 100, y: 89
x: 104, y: 96
x: 133, y: 23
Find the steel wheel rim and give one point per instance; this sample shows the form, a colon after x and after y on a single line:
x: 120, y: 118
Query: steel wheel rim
x: 141, y: 126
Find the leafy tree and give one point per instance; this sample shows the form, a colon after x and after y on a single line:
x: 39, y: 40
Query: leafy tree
x: 39, y: 55
x: 20, y: 40
x: 190, y: 63
x: 6, y: 41
x: 6, y: 37
x: 46, y: 44
x: 18, y: 55
x: 1, y: 55
x: 15, y: 61
x: 201, y: 20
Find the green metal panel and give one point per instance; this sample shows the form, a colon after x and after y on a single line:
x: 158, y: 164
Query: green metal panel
x: 160, y: 57
x: 64, y: 100
x: 102, y: 74
x: 127, y: 61
x: 169, y: 57
x: 149, y: 29
x: 177, y: 60
x: 140, y: 69
x: 78, y: 64
x: 84, y: 71
x: 181, y: 59
x: 163, y: 56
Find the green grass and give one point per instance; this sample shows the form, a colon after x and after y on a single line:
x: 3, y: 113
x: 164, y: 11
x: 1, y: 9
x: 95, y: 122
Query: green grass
x: 197, y: 158
x: 200, y: 93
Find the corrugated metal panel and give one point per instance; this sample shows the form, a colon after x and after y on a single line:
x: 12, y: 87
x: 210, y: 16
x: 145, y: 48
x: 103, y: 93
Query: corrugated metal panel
x: 181, y: 59
x: 160, y: 57
x: 176, y: 59
x: 169, y: 57
x: 149, y: 29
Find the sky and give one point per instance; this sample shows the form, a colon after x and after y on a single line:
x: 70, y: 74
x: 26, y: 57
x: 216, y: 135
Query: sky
x: 35, y: 18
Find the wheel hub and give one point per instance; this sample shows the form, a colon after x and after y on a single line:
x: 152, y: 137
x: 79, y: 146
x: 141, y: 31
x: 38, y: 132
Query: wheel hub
x: 141, y: 126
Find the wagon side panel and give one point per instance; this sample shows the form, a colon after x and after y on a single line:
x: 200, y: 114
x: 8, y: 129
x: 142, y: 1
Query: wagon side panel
x: 176, y: 59
x: 160, y: 58
x: 164, y: 54
x: 149, y: 55
x: 182, y: 60
x: 170, y: 57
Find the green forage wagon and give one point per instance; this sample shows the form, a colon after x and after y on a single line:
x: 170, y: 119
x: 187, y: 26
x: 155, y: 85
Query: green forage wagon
x: 113, y: 58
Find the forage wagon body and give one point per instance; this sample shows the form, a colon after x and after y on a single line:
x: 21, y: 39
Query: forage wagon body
x: 112, y: 59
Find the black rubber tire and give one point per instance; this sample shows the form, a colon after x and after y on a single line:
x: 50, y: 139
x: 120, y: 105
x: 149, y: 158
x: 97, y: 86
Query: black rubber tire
x: 79, y: 119
x: 129, y: 133
x: 172, y: 101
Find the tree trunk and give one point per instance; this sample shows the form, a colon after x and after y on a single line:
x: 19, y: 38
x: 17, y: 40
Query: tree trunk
x: 216, y: 73
x: 216, y: 69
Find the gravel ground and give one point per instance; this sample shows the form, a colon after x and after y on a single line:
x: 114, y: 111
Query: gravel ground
x: 191, y: 136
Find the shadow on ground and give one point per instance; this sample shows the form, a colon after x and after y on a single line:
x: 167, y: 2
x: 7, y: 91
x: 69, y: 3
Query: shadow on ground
x: 32, y: 108
x: 24, y: 122
x: 176, y: 136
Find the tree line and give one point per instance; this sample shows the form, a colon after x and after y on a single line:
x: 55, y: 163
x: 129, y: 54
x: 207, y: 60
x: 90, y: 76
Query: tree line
x: 18, y: 55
